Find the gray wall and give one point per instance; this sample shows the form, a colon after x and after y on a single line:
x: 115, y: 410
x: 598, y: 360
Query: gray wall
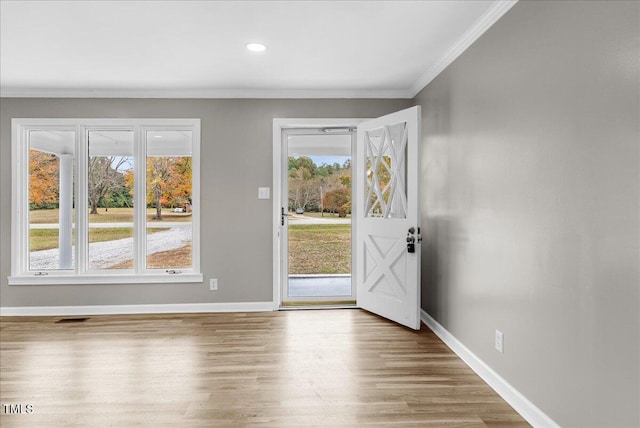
x: 531, y: 205
x: 236, y: 226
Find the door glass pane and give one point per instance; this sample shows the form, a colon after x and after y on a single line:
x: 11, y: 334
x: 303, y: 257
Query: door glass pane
x: 51, y: 210
x: 319, y: 221
x: 110, y: 199
x: 169, y: 199
x: 386, y: 172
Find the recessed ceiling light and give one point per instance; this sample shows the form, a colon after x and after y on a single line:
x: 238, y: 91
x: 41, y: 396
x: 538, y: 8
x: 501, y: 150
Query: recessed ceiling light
x: 256, y: 47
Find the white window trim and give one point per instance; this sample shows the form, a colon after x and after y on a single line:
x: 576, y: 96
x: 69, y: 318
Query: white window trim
x: 20, y: 273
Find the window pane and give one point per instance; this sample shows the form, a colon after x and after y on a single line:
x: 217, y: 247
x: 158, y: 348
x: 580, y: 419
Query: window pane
x: 51, y: 200
x: 169, y: 198
x: 110, y: 194
x: 386, y: 172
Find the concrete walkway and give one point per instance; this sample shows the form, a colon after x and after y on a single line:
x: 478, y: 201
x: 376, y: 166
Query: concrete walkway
x: 320, y: 286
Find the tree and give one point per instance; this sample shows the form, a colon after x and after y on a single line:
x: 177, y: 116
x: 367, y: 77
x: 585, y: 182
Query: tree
x: 104, y: 177
x: 180, y: 181
x: 345, y: 179
x: 339, y: 201
x: 305, y: 164
x: 306, y: 179
x: 303, y: 193
x: 129, y: 182
x: 169, y: 182
x: 122, y: 195
x: 44, y: 178
x: 157, y: 177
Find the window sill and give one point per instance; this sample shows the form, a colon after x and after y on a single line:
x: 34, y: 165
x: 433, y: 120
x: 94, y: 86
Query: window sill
x: 105, y: 279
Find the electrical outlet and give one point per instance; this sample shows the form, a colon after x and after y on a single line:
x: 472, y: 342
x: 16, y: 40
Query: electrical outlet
x: 499, y: 341
x: 213, y: 284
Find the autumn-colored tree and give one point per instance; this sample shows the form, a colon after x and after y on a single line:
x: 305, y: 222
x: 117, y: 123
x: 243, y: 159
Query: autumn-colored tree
x: 339, y: 201
x: 180, y: 187
x: 44, y: 178
x: 129, y: 181
x: 345, y: 179
x: 169, y: 182
x: 157, y: 177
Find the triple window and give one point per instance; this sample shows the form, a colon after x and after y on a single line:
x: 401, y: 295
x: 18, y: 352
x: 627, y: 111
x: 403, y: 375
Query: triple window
x: 105, y: 200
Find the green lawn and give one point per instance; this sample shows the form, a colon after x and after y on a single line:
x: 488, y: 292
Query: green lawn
x: 46, y: 239
x: 320, y: 249
x: 112, y: 215
x: 43, y: 239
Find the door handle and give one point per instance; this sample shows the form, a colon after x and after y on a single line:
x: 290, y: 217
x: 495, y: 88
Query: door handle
x: 282, y: 216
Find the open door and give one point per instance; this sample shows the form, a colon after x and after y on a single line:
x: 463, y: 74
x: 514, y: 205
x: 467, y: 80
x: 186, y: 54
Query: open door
x: 387, y: 216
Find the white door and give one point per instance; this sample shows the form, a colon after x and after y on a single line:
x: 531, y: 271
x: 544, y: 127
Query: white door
x: 387, y: 273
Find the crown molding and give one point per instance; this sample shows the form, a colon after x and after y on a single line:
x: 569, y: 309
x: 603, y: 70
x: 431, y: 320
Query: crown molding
x: 201, y: 93
x: 485, y: 22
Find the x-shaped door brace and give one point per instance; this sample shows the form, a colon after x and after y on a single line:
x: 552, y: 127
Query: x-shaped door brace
x: 383, y: 267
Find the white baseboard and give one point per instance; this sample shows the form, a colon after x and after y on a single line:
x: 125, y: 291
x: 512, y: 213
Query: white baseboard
x: 519, y: 402
x: 136, y: 309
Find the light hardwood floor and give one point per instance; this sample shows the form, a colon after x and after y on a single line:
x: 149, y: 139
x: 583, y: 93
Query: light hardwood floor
x: 291, y: 368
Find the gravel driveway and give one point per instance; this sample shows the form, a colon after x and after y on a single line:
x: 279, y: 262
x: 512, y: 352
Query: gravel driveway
x: 108, y: 253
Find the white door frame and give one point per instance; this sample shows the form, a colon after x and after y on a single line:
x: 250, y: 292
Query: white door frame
x: 279, y: 125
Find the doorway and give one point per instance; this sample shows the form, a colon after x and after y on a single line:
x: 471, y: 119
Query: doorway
x: 385, y: 213
x: 316, y: 217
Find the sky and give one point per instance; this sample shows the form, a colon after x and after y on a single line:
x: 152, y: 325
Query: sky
x: 329, y: 160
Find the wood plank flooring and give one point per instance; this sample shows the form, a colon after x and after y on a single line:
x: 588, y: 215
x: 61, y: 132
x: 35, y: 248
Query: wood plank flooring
x: 324, y: 368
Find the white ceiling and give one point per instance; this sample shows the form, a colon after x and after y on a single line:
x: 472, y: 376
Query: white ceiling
x: 196, y: 48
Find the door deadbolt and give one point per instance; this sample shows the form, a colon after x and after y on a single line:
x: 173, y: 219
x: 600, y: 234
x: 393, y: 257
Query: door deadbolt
x: 411, y: 240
